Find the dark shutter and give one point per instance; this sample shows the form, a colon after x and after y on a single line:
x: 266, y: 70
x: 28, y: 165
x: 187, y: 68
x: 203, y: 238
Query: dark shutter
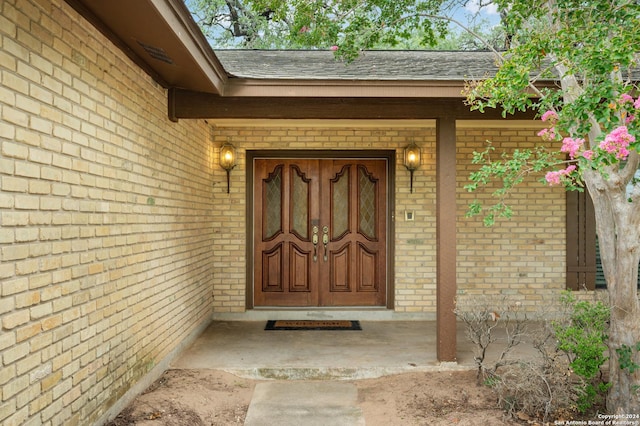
x: 581, y: 242
x: 600, y: 281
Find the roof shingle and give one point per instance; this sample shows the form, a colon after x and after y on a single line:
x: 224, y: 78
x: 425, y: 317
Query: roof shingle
x: 375, y: 65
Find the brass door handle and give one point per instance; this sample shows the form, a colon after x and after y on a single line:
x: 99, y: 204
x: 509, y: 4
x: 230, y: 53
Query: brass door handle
x: 314, y: 239
x: 325, y: 240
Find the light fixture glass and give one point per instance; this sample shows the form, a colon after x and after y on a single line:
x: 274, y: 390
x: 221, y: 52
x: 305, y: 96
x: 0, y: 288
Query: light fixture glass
x: 412, y: 159
x: 227, y: 156
x: 227, y: 160
x: 412, y: 156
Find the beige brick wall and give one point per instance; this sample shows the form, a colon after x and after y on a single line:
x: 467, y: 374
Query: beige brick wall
x: 521, y: 258
x: 106, y: 213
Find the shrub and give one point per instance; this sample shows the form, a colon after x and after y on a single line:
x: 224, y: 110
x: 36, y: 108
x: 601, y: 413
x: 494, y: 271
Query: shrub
x: 563, y: 376
x: 582, y: 336
x: 483, y: 319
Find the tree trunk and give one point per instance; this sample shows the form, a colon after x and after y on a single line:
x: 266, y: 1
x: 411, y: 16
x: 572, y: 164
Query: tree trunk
x: 623, y: 395
x: 624, y: 329
x: 617, y: 223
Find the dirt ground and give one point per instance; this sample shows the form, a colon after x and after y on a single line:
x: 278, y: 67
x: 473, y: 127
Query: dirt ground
x: 211, y: 397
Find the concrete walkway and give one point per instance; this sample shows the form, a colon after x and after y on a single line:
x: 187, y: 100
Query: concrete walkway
x: 311, y: 403
x: 319, y: 358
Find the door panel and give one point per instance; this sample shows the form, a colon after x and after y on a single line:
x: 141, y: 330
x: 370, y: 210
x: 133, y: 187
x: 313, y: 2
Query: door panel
x: 357, y: 262
x: 299, y: 269
x: 340, y: 271
x: 283, y: 246
x: 367, y: 262
x: 320, y: 232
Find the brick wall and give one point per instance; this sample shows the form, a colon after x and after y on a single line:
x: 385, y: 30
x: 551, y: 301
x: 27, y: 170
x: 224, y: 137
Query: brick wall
x: 105, y: 207
x: 521, y: 258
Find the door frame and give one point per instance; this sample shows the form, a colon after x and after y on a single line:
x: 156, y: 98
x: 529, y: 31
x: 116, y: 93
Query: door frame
x: 389, y: 155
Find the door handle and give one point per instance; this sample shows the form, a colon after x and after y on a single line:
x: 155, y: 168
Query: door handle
x: 325, y: 240
x: 314, y: 239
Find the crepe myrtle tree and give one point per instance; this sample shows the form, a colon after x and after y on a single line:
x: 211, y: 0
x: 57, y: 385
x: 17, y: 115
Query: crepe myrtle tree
x: 588, y: 49
x: 591, y: 141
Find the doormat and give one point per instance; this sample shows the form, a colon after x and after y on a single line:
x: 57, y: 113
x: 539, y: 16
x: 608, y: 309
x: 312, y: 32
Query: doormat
x: 312, y: 325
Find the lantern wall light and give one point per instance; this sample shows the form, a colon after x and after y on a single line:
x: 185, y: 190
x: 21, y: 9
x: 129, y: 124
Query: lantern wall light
x: 227, y: 160
x: 412, y: 159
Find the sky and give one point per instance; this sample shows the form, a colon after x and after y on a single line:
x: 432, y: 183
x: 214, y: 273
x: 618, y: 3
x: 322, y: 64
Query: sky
x: 489, y: 11
x: 473, y: 9
x: 472, y: 14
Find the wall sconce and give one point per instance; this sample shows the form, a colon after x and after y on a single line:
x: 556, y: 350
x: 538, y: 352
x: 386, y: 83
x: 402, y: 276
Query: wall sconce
x: 227, y: 160
x: 412, y: 159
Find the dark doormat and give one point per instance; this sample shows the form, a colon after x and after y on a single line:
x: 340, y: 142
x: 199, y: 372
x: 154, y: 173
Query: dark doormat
x: 312, y: 325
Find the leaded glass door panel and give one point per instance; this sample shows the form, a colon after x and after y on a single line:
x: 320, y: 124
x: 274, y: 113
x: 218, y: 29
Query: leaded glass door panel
x: 320, y: 232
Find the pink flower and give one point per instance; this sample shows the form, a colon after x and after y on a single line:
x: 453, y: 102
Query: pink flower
x: 588, y: 154
x: 622, y: 154
x: 636, y: 104
x: 617, y: 142
x: 304, y: 29
x: 572, y: 146
x: 624, y: 98
x: 334, y: 48
x: 553, y: 178
x: 549, y: 115
x: 548, y: 134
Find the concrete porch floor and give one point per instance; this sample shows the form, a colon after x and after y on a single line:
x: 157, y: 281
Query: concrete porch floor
x: 245, y: 349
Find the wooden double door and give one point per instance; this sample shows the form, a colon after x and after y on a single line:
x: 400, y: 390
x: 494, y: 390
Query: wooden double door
x: 320, y: 232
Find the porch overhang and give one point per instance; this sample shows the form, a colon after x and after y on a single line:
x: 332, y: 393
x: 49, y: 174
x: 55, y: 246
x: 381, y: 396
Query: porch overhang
x: 185, y: 104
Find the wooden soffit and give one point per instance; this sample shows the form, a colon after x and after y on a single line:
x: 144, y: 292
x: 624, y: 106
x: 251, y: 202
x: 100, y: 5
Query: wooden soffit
x: 161, y: 37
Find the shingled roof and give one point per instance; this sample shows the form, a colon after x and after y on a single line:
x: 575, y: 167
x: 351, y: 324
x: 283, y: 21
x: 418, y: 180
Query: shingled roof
x: 381, y: 65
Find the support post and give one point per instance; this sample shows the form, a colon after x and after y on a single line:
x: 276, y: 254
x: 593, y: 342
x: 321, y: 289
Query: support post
x: 446, y: 286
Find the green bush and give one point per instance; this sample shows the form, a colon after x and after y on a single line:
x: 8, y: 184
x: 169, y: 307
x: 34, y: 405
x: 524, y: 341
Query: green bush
x: 626, y: 361
x: 582, y: 336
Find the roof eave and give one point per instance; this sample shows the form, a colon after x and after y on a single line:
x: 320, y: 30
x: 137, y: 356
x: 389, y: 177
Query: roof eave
x: 179, y: 19
x: 161, y: 38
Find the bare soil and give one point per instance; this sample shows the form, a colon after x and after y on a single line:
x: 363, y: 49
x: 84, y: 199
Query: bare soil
x: 211, y: 397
